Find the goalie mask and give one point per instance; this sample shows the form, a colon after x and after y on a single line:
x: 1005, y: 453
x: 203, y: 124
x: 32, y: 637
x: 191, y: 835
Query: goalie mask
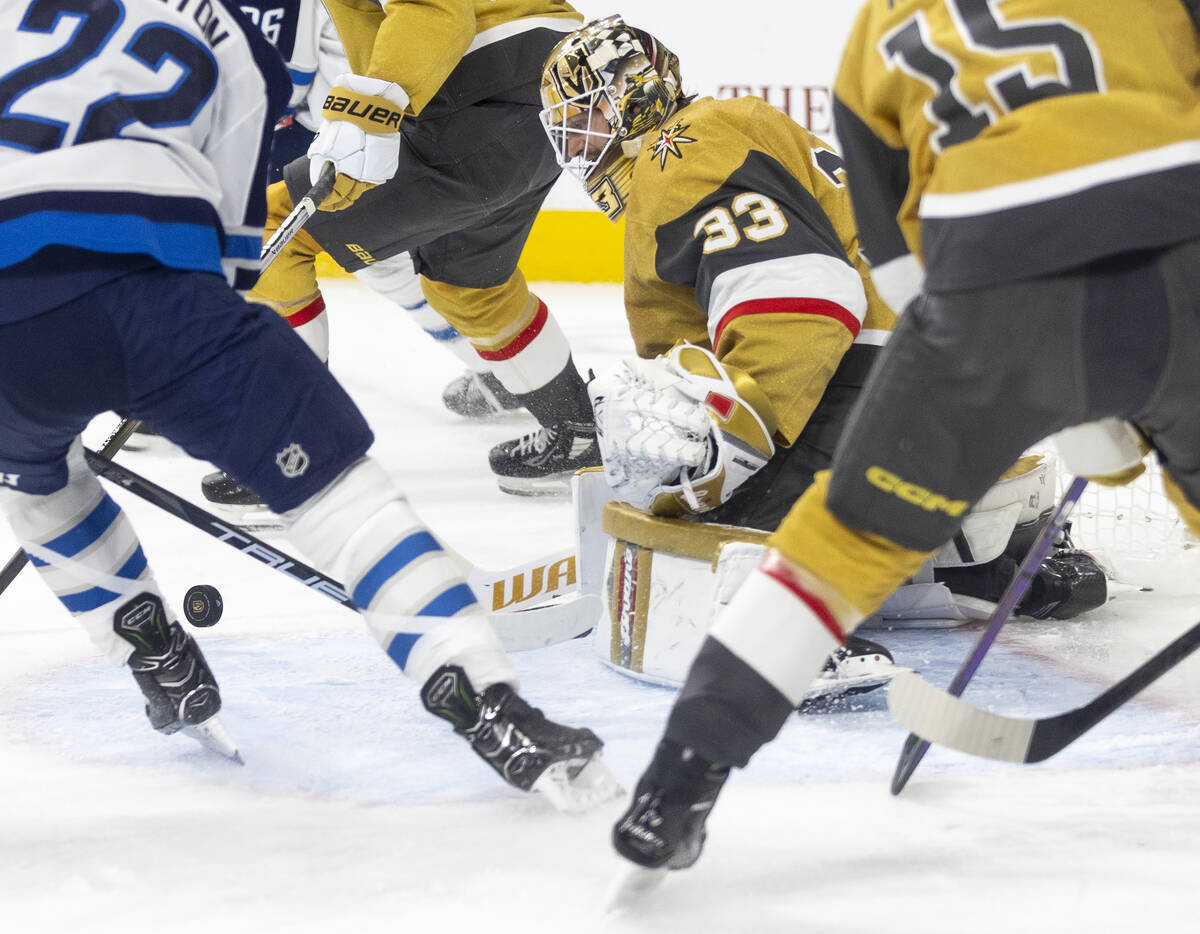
x: 605, y: 86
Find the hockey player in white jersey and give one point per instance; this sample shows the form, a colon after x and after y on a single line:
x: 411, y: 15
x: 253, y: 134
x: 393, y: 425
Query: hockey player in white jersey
x: 132, y: 198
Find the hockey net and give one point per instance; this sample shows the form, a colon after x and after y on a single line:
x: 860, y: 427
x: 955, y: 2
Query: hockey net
x: 1135, y: 532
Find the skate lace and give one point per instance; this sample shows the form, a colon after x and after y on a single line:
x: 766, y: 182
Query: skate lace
x: 536, y: 442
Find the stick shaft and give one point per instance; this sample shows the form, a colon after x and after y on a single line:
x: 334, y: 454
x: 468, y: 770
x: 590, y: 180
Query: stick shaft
x: 914, y: 747
x: 125, y: 428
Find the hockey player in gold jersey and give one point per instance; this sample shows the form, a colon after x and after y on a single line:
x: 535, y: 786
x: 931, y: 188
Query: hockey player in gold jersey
x: 1026, y: 180
x: 739, y: 239
x: 439, y: 152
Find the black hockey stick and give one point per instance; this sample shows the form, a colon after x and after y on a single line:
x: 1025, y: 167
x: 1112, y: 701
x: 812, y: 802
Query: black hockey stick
x: 292, y: 224
x: 914, y: 746
x: 535, y: 627
x: 951, y: 721
x: 206, y: 522
x: 125, y: 428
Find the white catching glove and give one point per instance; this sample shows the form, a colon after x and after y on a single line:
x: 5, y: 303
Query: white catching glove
x: 359, y: 134
x: 675, y: 434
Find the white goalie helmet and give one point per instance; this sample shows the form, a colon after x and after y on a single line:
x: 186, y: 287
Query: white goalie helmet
x: 604, y: 86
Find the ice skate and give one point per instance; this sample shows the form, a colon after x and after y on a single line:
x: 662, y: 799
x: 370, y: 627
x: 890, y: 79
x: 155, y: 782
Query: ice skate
x: 237, y: 503
x: 856, y: 667
x: 478, y: 395
x: 180, y: 689
x: 664, y: 826
x: 527, y: 750
x: 1068, y: 583
x: 542, y: 462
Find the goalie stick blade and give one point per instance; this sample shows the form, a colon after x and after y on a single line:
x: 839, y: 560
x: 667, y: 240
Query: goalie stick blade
x: 938, y: 717
x: 557, y: 621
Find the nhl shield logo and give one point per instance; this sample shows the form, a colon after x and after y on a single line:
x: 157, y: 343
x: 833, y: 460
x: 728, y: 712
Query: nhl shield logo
x: 292, y: 461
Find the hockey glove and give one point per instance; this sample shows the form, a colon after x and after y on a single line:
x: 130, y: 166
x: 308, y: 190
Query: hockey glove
x: 676, y: 435
x: 360, y: 135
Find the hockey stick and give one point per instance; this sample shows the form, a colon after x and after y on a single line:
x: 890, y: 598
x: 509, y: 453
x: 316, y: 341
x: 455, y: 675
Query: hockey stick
x: 533, y: 628
x: 292, y: 224
x: 914, y: 746
x: 125, y: 428
x: 951, y: 721
x: 543, y: 578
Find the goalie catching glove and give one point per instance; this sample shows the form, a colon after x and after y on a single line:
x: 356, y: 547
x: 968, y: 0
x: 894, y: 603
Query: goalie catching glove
x: 679, y: 433
x: 360, y: 135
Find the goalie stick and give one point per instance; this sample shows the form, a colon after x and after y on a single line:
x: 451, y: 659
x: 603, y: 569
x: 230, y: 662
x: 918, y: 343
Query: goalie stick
x: 952, y: 722
x: 914, y: 746
x: 271, y: 249
x: 536, y: 627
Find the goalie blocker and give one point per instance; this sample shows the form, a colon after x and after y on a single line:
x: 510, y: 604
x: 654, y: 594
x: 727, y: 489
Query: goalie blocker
x: 664, y: 580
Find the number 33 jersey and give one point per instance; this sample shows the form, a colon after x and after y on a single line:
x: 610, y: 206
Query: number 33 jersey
x: 1007, y: 139
x: 739, y: 235
x: 137, y: 128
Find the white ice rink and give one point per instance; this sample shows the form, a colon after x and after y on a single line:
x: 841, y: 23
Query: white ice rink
x: 358, y: 812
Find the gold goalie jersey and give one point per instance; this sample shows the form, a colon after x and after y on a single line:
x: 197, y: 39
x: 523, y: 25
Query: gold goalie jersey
x: 739, y: 236
x: 1007, y: 139
x: 417, y: 43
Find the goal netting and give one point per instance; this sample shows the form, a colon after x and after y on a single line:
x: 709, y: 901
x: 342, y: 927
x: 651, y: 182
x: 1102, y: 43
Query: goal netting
x: 1136, y: 533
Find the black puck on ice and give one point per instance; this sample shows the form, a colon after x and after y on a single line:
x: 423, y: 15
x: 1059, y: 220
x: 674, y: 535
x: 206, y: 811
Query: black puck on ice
x: 202, y: 605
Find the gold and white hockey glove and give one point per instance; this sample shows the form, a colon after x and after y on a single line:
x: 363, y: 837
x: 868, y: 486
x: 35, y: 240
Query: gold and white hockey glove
x: 360, y: 135
x: 677, y: 434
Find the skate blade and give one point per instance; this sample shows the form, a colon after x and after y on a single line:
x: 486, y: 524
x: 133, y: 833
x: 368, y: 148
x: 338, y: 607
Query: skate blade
x: 825, y: 691
x: 592, y: 785
x: 536, y: 486
x: 212, y: 735
x: 631, y: 885
x: 247, y: 518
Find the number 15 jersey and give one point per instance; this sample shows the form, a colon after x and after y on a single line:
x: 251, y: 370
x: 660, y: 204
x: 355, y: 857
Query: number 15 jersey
x: 1006, y: 139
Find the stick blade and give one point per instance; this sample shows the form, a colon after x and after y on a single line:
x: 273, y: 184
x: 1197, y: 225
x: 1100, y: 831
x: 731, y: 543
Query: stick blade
x: 938, y: 717
x: 558, y: 620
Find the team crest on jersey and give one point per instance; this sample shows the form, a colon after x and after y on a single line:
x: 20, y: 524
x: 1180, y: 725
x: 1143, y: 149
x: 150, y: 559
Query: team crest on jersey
x: 669, y: 141
x: 292, y: 461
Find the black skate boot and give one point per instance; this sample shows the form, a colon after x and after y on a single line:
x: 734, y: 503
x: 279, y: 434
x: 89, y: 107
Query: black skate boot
x: 541, y: 463
x: 527, y: 750
x: 478, y: 395
x: 180, y: 690
x: 1068, y: 583
x: 664, y: 826
x: 857, y: 666
x: 237, y: 502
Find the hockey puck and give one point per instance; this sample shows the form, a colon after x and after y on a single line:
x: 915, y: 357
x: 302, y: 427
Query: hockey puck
x: 202, y: 605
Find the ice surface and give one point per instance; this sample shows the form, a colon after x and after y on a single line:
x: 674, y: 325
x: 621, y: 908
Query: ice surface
x: 358, y: 812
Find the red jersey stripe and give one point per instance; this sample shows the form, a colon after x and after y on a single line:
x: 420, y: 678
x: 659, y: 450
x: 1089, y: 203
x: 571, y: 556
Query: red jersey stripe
x: 788, y: 306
